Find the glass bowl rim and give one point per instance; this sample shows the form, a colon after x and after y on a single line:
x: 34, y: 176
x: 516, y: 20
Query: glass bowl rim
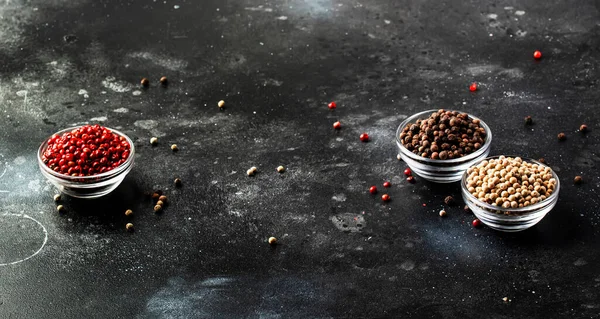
x: 474, y: 155
x: 531, y: 209
x: 68, y: 178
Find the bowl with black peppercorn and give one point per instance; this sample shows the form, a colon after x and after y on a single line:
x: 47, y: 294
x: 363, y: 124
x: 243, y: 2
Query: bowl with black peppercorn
x: 87, y: 161
x: 510, y: 193
x: 439, y: 145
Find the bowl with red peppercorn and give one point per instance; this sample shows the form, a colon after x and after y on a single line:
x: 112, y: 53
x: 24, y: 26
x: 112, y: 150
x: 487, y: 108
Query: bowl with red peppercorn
x: 439, y: 145
x: 87, y: 161
x: 510, y: 193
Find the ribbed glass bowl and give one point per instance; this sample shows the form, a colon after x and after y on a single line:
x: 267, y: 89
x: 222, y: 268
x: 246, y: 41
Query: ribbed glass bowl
x: 87, y: 186
x: 510, y: 219
x: 436, y: 170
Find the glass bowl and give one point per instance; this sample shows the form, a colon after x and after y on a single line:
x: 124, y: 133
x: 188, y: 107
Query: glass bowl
x: 441, y: 171
x: 510, y: 219
x: 87, y: 186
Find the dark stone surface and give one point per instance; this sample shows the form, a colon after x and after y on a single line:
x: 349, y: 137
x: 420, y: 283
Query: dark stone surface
x: 277, y: 64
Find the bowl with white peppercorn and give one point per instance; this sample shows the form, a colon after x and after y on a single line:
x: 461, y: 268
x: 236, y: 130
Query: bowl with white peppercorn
x: 510, y: 193
x: 439, y: 145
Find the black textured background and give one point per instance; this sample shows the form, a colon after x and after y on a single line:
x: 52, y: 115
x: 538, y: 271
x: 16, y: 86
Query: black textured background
x: 277, y: 64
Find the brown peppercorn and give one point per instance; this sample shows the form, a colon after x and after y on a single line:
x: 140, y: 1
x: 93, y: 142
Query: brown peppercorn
x: 145, y: 82
x: 128, y: 212
x: 467, y: 209
x: 443, y: 213
x: 61, y: 208
x: 528, y: 120
x: 272, y: 240
x: 155, y: 196
x: 129, y: 227
x: 542, y: 160
x: 177, y: 182
x: 443, y: 155
x: 578, y: 180
x: 157, y: 208
x: 174, y: 148
x: 583, y: 128
x: 163, y: 198
x: 164, y: 81
x: 449, y: 200
x: 562, y: 136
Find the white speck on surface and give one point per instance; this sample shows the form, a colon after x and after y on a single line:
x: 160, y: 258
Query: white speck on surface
x: 387, y: 21
x: 20, y: 160
x: 508, y: 8
x: 136, y: 92
x: 407, y: 265
x: 176, y: 7
x: 115, y: 85
x: 282, y: 18
x: 259, y: 8
x: 261, y: 43
x: 519, y: 12
x: 339, y: 197
x: 121, y: 110
x: 22, y: 93
x: 99, y: 119
x: 166, y: 62
x: 84, y: 93
x: 492, y: 16
x: 146, y: 124
x: 580, y: 262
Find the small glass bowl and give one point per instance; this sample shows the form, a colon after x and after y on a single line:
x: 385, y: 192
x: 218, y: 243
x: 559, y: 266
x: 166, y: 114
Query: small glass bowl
x: 441, y: 171
x: 87, y: 186
x: 510, y: 219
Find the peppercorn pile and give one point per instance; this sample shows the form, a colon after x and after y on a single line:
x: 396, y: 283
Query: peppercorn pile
x: 85, y: 151
x: 510, y: 182
x: 444, y: 135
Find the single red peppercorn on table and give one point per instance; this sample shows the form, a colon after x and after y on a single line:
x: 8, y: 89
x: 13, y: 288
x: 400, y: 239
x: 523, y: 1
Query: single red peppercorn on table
x: 373, y: 190
x: 473, y: 87
x: 364, y: 137
x: 476, y: 223
x: 87, y: 150
x: 537, y: 55
x: 332, y: 105
x: 385, y: 197
x: 387, y: 184
x: 407, y: 172
x: 410, y: 179
x: 337, y: 125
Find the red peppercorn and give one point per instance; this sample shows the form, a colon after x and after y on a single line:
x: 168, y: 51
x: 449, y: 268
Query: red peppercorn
x: 385, y: 197
x: 387, y: 184
x: 537, y: 55
x: 373, y: 190
x: 410, y: 179
x: 407, y: 172
x: 337, y: 125
x: 364, y: 137
x: 332, y: 105
x: 476, y: 223
x: 473, y: 87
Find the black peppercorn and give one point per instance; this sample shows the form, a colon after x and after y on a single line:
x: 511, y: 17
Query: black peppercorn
x: 583, y: 128
x: 449, y: 200
x: 164, y: 81
x: 528, y: 120
x: 177, y: 182
x: 562, y: 136
x: 145, y: 82
x: 577, y: 180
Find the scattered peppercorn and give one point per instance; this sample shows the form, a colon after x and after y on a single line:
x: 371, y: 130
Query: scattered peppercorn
x: 467, y: 209
x: 407, y: 172
x: 221, y: 104
x: 578, y: 180
x: 128, y: 212
x: 583, y: 128
x: 280, y: 169
x: 542, y: 160
x: 177, y: 182
x: 449, y: 200
x: 364, y: 137
x: 537, y: 54
x: 160, y: 203
x: 252, y: 171
x: 373, y: 190
x: 443, y: 213
x: 163, y: 198
x: 272, y: 241
x: 57, y: 198
x: 332, y: 105
x: 473, y: 87
x: 174, y: 148
x: 145, y: 82
x: 85, y: 151
x: 60, y: 208
x: 410, y: 179
x: 505, y: 299
x: 510, y: 182
x: 157, y: 208
x: 385, y: 197
x: 399, y: 157
x: 154, y: 141
x: 476, y: 223
x: 528, y: 120
x: 562, y: 136
x: 337, y: 125
x: 155, y: 196
x: 387, y: 184
x: 164, y: 81
x: 129, y: 227
x: 444, y: 135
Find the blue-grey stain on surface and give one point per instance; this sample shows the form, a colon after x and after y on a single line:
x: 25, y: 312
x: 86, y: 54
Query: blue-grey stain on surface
x: 342, y: 252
